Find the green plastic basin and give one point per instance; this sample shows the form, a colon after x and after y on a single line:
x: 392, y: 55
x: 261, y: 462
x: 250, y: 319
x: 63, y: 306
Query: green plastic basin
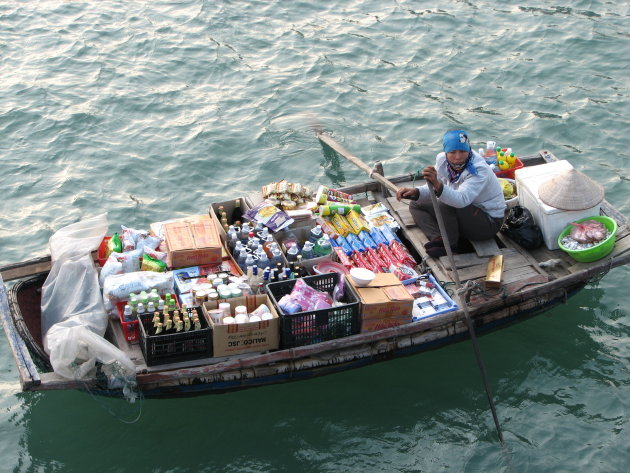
x: 595, y: 252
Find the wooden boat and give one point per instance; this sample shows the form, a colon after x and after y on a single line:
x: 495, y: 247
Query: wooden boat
x: 528, y: 289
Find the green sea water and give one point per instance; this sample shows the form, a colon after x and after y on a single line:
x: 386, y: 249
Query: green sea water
x: 153, y: 110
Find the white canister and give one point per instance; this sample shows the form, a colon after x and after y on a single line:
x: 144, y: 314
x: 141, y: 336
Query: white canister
x: 225, y: 308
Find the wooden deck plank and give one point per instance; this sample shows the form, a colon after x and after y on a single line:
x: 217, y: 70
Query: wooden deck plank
x: 465, y: 260
x: 486, y: 247
x: 401, y: 209
x: 511, y: 260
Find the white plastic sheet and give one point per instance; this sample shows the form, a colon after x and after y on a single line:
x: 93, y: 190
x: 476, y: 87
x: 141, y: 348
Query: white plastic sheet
x: 73, y: 315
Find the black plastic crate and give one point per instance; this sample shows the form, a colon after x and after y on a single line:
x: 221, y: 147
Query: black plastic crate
x: 175, y: 347
x: 306, y: 328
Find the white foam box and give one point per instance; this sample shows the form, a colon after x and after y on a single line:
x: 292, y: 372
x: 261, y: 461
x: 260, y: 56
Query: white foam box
x: 550, y: 219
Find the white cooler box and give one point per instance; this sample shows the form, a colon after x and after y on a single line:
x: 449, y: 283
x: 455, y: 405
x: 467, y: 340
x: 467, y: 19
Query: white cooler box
x: 550, y: 219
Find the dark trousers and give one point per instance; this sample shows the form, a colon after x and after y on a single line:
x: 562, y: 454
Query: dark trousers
x: 469, y: 222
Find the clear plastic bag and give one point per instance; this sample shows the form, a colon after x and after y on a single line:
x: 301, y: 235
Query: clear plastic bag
x: 74, y: 351
x: 73, y: 314
x: 79, y: 238
x: 72, y: 290
x: 118, y: 286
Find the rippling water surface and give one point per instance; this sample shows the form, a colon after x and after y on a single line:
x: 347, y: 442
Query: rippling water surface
x: 150, y: 110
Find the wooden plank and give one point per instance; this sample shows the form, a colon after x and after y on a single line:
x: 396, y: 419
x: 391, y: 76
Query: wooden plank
x: 518, y: 274
x: 26, y: 268
x: 401, y: 209
x: 511, y: 261
x: 466, y: 260
x: 487, y: 247
x: 509, y: 243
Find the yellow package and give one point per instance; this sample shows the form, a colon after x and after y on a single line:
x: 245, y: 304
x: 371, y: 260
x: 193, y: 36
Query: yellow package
x: 356, y: 222
x: 341, y: 224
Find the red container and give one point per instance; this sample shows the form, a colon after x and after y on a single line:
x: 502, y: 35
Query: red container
x: 102, y: 250
x: 130, y: 329
x: 509, y: 173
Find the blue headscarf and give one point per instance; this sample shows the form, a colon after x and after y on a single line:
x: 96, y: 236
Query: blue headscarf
x: 458, y: 140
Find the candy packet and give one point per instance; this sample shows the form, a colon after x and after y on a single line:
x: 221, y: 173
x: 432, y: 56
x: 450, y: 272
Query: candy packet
x: 269, y: 215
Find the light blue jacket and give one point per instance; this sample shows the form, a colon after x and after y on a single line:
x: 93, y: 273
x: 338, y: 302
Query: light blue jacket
x: 481, y: 190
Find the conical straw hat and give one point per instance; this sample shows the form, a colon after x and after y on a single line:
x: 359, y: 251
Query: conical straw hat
x: 571, y: 190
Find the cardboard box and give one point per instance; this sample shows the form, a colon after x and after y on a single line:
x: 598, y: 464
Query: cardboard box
x: 372, y: 325
x: 192, y: 241
x: 384, y: 298
x: 235, y: 339
x: 229, y: 207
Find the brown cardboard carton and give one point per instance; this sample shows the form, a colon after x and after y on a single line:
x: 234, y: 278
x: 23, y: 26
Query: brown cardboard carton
x: 229, y: 206
x: 372, y: 325
x: 236, y: 339
x: 384, y: 298
x: 192, y: 241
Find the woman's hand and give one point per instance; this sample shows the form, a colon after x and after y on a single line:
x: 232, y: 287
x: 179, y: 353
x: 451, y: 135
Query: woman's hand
x: 408, y: 193
x: 430, y: 175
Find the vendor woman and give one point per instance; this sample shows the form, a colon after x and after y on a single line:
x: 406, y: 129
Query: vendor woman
x: 469, y: 196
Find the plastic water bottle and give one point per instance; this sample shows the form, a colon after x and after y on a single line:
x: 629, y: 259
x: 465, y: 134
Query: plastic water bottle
x: 128, y: 314
x: 237, y: 248
x: 140, y: 310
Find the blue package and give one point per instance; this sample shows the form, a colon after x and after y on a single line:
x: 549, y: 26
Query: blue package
x: 389, y: 234
x: 343, y: 243
x: 366, y: 239
x: 378, y: 236
x: 355, y: 243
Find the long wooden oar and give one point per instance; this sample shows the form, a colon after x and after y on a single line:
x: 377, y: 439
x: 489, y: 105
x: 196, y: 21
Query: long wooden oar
x: 462, y: 300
